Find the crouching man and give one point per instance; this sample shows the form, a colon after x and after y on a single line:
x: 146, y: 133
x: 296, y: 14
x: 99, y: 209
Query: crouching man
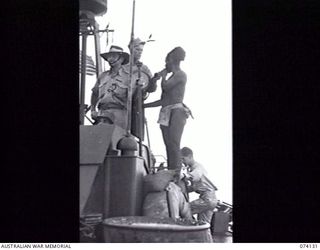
x: 164, y: 198
x: 197, y: 181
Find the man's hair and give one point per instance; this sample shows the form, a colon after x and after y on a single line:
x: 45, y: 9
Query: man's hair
x: 178, y: 54
x: 185, y: 151
x: 136, y: 42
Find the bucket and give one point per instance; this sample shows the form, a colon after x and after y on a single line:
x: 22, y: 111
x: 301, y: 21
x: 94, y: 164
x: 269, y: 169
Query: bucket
x: 142, y: 229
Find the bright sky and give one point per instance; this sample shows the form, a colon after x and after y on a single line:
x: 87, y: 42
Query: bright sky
x: 203, y: 29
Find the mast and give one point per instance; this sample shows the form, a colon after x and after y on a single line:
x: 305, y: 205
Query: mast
x: 129, y: 103
x: 83, y: 78
x: 97, y: 47
x: 88, y: 26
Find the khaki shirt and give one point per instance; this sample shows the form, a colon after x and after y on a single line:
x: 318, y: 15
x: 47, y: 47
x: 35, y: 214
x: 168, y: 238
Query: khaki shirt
x: 113, y: 90
x: 200, y: 182
x: 145, y: 74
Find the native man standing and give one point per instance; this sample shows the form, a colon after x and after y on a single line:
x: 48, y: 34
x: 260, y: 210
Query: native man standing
x: 173, y: 114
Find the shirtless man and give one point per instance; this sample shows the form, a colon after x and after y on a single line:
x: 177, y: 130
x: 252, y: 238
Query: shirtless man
x: 173, y: 114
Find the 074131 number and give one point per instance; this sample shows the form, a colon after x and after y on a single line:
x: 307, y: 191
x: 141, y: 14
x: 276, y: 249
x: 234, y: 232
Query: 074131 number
x: 309, y: 245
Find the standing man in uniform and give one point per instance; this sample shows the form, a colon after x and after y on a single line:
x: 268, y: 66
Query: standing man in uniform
x: 110, y: 93
x: 197, y: 181
x: 142, y: 78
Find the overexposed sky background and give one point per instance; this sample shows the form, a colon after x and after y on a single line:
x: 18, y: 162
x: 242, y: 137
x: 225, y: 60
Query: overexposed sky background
x: 203, y: 29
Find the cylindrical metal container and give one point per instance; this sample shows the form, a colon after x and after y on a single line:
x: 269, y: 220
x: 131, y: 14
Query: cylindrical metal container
x: 123, y: 186
x: 141, y: 229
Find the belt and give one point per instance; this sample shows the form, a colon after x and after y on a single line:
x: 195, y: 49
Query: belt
x: 105, y: 106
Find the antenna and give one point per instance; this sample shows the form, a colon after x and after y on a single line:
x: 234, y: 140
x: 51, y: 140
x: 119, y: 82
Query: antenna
x: 129, y: 103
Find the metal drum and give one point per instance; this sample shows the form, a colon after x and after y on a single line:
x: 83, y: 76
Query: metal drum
x: 141, y: 229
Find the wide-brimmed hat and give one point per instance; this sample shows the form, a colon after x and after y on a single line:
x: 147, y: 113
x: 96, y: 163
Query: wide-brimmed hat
x: 116, y: 50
